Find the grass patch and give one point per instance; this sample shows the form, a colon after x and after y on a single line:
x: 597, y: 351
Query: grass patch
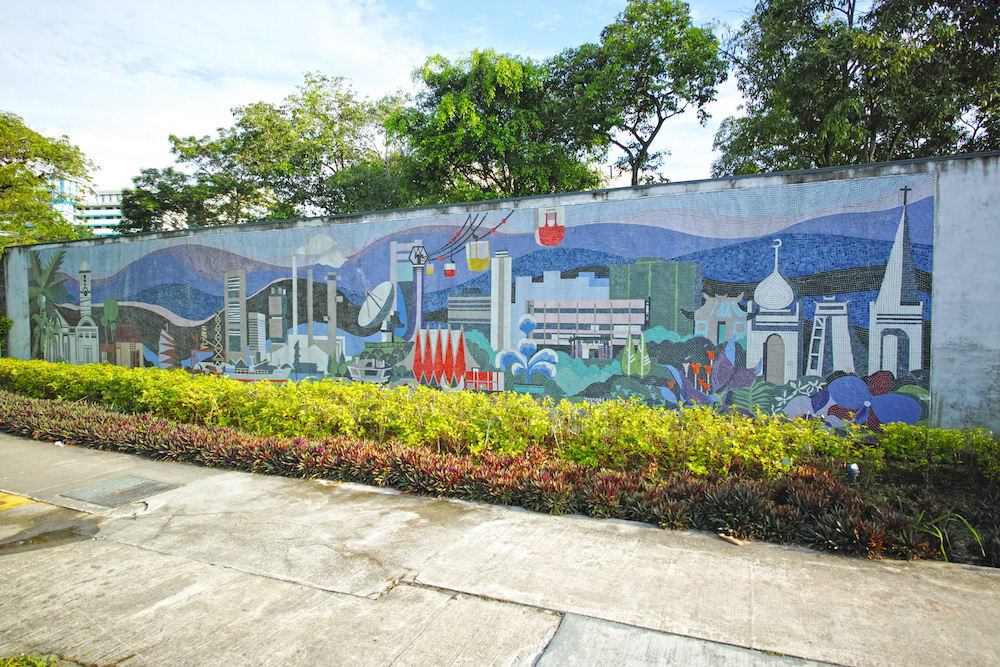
x: 25, y: 660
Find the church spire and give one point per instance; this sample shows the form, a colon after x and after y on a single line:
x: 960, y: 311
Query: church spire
x: 899, y: 285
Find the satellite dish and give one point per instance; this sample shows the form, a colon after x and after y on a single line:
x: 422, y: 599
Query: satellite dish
x: 377, y: 305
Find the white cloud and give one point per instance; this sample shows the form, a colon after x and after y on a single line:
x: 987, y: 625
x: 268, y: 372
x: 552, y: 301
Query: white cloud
x: 319, y: 244
x: 334, y: 259
x: 119, y: 78
x: 549, y: 23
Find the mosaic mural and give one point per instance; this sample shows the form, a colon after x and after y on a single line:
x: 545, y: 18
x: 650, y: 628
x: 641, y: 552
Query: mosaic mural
x: 800, y: 299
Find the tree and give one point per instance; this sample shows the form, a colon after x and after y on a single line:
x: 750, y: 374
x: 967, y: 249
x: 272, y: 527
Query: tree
x: 651, y: 65
x: 826, y: 84
x: 966, y: 34
x: 276, y: 161
x: 29, y: 163
x: 377, y: 183
x: 486, y: 127
x: 292, y: 149
x: 166, y: 199
x: 46, y: 288
x: 109, y: 318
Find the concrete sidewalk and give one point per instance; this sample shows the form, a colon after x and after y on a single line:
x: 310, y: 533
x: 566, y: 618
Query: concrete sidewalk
x: 203, y: 567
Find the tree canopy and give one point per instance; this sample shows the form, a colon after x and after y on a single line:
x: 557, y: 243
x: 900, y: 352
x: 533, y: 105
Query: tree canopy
x: 276, y: 161
x: 29, y: 163
x: 487, y: 127
x: 826, y: 84
x: 651, y: 65
x: 166, y: 199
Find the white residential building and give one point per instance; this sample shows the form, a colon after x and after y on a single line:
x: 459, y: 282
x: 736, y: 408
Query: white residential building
x: 101, y: 212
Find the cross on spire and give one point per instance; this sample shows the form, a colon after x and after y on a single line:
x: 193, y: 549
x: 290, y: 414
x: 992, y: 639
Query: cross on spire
x: 906, y: 189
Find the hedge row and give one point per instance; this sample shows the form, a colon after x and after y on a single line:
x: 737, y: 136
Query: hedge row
x: 621, y: 435
x: 802, y: 506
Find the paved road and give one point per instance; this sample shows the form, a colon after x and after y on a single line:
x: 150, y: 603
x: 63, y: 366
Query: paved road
x: 115, y: 559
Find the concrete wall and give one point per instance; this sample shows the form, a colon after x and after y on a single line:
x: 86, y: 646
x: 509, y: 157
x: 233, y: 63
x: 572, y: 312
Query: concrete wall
x: 965, y: 352
x: 805, y: 269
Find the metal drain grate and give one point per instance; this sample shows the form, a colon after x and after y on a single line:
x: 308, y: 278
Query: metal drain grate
x: 121, y: 491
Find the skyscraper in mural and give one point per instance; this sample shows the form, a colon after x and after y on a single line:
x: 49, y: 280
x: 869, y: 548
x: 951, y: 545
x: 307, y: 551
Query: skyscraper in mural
x: 501, y: 282
x: 236, y: 319
x: 671, y: 287
x: 277, y: 306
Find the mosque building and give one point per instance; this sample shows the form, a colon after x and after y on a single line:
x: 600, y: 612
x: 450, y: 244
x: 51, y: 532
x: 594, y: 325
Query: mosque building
x: 774, y: 327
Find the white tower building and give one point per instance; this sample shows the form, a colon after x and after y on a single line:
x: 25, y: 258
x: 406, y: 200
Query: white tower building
x: 500, y: 301
x: 830, y: 332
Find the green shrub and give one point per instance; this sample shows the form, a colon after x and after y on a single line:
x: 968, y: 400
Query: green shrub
x: 619, y: 435
x: 5, y: 324
x: 917, y: 448
x: 797, y: 505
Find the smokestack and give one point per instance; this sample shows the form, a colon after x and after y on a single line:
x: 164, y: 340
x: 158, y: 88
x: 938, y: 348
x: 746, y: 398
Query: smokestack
x: 295, y: 296
x: 331, y: 314
x: 309, y: 304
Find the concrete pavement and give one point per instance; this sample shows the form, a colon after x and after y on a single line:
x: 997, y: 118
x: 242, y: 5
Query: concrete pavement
x: 126, y: 561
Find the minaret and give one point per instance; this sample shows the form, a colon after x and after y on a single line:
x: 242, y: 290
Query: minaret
x: 85, y: 289
x: 896, y: 317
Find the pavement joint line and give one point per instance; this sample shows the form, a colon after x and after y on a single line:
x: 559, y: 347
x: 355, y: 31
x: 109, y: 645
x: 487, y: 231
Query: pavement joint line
x: 562, y: 614
x: 487, y: 598
x: 550, y: 634
x: 253, y: 573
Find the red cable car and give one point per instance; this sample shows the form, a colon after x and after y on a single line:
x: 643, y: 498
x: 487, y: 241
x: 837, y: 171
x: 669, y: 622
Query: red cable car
x: 549, y: 226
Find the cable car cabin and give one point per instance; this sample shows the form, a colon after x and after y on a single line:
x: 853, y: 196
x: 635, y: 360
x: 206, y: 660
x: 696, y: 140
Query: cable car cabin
x: 549, y: 226
x: 429, y: 268
x: 478, y: 255
x: 449, y: 270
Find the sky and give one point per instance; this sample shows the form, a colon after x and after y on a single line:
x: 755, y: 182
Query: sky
x: 118, y: 77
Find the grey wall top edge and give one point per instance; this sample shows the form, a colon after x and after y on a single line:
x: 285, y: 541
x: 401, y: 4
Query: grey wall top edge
x: 676, y: 187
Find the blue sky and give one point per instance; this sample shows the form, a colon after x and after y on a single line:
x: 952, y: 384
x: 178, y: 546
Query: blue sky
x: 118, y: 77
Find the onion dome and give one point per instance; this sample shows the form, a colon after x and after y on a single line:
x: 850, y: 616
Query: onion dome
x: 774, y: 292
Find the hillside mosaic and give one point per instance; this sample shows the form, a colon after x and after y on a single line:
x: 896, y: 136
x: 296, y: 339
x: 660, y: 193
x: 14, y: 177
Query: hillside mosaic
x: 795, y: 299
